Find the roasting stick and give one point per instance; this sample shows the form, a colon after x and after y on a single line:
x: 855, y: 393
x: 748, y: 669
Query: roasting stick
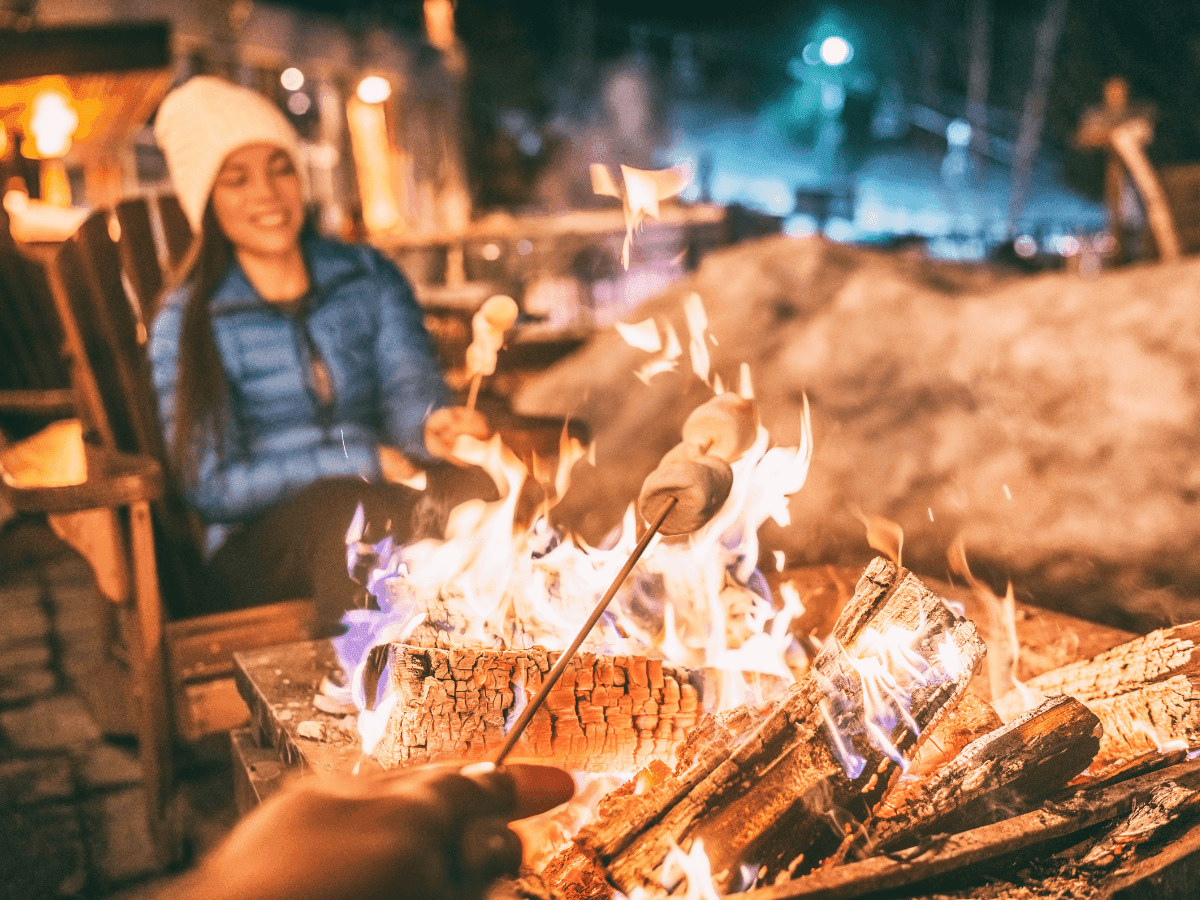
x: 692, y: 482
x: 555, y: 673
x: 473, y: 394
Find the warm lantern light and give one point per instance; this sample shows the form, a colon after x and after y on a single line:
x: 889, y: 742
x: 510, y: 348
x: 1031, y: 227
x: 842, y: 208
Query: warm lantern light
x: 439, y: 23
x: 292, y: 78
x: 52, y: 125
x: 375, y: 161
x: 374, y: 89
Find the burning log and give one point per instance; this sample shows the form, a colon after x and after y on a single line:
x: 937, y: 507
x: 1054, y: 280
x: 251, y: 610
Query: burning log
x: 971, y: 719
x: 1145, y: 692
x: 607, y: 714
x: 970, y: 848
x: 780, y: 798
x: 1167, y: 803
x: 1001, y: 774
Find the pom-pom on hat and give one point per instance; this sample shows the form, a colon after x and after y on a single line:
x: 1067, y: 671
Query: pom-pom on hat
x: 204, y: 120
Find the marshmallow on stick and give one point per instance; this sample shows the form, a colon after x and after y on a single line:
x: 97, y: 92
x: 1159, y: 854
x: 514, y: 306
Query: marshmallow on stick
x: 696, y: 472
x: 488, y: 327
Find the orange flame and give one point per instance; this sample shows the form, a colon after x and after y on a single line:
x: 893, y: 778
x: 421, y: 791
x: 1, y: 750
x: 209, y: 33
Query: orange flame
x: 697, y: 601
x: 691, y: 868
x: 883, y: 535
x: 1003, y: 645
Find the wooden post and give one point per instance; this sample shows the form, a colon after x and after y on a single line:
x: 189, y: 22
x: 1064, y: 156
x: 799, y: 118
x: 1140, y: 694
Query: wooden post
x: 1123, y: 130
x: 1029, y: 134
x: 979, y: 71
x: 150, y: 686
x: 1128, y: 140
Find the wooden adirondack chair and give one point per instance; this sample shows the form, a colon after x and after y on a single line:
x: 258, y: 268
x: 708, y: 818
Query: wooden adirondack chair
x: 131, y: 527
x: 128, y: 521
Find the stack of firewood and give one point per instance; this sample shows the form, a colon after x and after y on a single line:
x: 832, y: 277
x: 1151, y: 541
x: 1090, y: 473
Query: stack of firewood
x: 805, y: 799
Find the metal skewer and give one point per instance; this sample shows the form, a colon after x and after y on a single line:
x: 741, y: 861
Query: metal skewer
x: 555, y: 673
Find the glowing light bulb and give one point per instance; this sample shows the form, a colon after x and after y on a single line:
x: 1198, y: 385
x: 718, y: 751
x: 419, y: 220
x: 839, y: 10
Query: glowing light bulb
x: 836, y: 51
x: 52, y: 124
x: 298, y: 104
x: 292, y: 78
x: 374, y: 89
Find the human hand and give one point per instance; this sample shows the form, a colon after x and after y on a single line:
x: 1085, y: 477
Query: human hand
x: 445, y: 425
x: 420, y: 832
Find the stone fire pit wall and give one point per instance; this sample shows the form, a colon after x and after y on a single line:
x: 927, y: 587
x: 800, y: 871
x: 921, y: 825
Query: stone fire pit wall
x: 606, y: 714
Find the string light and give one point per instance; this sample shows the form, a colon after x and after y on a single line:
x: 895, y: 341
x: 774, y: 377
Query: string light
x: 374, y: 89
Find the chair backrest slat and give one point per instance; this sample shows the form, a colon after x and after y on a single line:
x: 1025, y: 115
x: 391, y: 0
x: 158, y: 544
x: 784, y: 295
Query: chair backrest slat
x: 177, y: 232
x: 90, y: 266
x: 139, y: 253
x: 87, y: 274
x: 31, y: 338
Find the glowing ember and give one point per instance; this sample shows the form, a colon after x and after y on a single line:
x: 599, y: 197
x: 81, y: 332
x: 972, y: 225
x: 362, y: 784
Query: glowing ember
x: 1174, y: 745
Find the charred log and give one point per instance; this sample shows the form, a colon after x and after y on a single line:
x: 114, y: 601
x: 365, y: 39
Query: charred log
x: 607, y: 714
x: 959, y: 851
x: 1168, y: 803
x: 1002, y: 774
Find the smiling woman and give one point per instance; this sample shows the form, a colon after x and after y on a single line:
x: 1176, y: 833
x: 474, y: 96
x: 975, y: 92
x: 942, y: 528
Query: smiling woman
x: 260, y: 207
x: 295, y: 378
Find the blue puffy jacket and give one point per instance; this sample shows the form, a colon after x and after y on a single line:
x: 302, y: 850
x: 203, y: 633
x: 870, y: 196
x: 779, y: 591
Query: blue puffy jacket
x: 286, y: 429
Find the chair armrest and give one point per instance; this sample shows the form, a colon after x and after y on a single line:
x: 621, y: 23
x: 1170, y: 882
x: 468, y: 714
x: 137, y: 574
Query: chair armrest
x: 39, y: 401
x: 114, y: 479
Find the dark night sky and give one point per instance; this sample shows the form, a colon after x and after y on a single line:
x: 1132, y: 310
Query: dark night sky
x: 1154, y: 43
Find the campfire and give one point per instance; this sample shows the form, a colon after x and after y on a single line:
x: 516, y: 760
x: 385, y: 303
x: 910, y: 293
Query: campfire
x: 721, y: 748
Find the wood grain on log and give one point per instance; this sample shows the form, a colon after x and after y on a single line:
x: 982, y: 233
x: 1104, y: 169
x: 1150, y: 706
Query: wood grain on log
x: 879, y: 873
x: 606, y: 714
x: 781, y: 797
x: 970, y: 720
x: 1146, y: 692
x: 1001, y: 774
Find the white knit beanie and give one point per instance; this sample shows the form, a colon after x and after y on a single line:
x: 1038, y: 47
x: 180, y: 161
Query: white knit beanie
x: 204, y: 120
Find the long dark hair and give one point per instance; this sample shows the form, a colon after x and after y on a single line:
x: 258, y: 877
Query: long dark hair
x: 201, y: 389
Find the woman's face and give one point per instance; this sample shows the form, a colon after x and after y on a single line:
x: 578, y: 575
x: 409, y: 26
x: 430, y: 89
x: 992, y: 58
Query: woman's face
x: 257, y: 200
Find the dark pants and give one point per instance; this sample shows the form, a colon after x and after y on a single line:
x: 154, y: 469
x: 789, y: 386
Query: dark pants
x: 297, y: 548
